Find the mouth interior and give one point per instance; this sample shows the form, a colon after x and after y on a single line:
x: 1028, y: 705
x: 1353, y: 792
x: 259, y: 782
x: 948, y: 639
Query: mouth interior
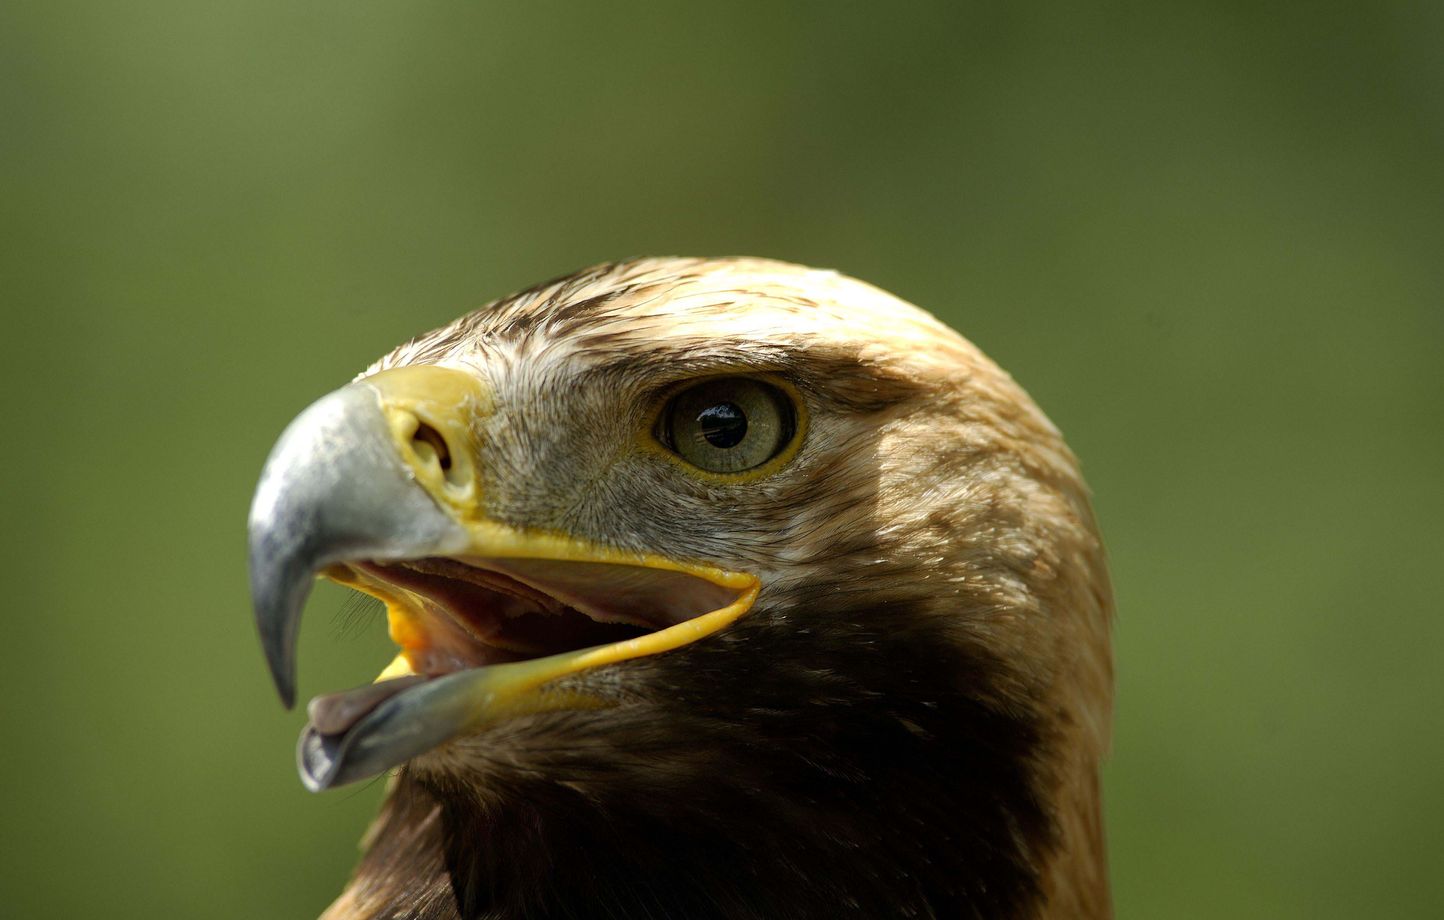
x: 452, y: 614
x: 506, y: 623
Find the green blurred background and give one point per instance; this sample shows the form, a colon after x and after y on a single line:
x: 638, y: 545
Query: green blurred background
x: 1209, y: 239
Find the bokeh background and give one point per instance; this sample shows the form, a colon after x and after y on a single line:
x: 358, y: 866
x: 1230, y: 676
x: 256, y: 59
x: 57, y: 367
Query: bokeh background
x: 1208, y: 238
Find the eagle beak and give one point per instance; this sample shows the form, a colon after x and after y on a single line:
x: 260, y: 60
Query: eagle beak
x: 334, y: 488
x: 376, y: 486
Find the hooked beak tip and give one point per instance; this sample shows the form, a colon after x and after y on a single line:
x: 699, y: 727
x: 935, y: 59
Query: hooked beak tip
x: 281, y: 662
x: 285, y: 685
x: 279, y: 593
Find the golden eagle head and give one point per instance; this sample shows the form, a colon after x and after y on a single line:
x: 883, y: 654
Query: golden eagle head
x: 723, y: 588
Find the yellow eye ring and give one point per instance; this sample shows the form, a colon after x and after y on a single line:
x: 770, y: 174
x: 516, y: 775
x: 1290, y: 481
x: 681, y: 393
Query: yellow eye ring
x: 731, y: 427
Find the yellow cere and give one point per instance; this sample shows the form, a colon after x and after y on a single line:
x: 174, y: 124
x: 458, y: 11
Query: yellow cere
x: 448, y: 401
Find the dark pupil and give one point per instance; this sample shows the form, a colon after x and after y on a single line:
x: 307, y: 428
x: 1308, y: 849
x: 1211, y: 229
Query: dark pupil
x: 723, y: 425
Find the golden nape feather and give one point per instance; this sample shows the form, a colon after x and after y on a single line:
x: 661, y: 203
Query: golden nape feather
x: 722, y: 588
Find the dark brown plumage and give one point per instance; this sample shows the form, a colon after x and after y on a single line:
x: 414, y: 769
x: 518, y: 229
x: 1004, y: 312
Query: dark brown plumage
x: 908, y: 721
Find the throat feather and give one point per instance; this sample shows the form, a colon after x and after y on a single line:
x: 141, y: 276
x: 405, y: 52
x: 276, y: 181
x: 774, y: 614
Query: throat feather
x: 883, y: 793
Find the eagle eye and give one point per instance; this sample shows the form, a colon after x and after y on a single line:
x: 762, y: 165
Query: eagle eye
x: 728, y: 424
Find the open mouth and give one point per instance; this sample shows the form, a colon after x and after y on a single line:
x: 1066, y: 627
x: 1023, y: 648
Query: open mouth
x: 457, y: 614
x: 482, y: 637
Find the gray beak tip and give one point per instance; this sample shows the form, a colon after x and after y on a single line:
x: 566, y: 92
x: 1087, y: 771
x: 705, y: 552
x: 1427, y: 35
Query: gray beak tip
x: 279, y: 590
x: 285, y: 686
x: 281, y: 661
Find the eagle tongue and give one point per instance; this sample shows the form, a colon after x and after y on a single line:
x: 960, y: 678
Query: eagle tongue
x: 336, y: 713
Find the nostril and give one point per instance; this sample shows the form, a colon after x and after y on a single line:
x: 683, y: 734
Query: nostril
x: 428, y: 442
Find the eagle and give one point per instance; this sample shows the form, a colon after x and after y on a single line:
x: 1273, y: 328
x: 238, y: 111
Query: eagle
x: 723, y: 588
